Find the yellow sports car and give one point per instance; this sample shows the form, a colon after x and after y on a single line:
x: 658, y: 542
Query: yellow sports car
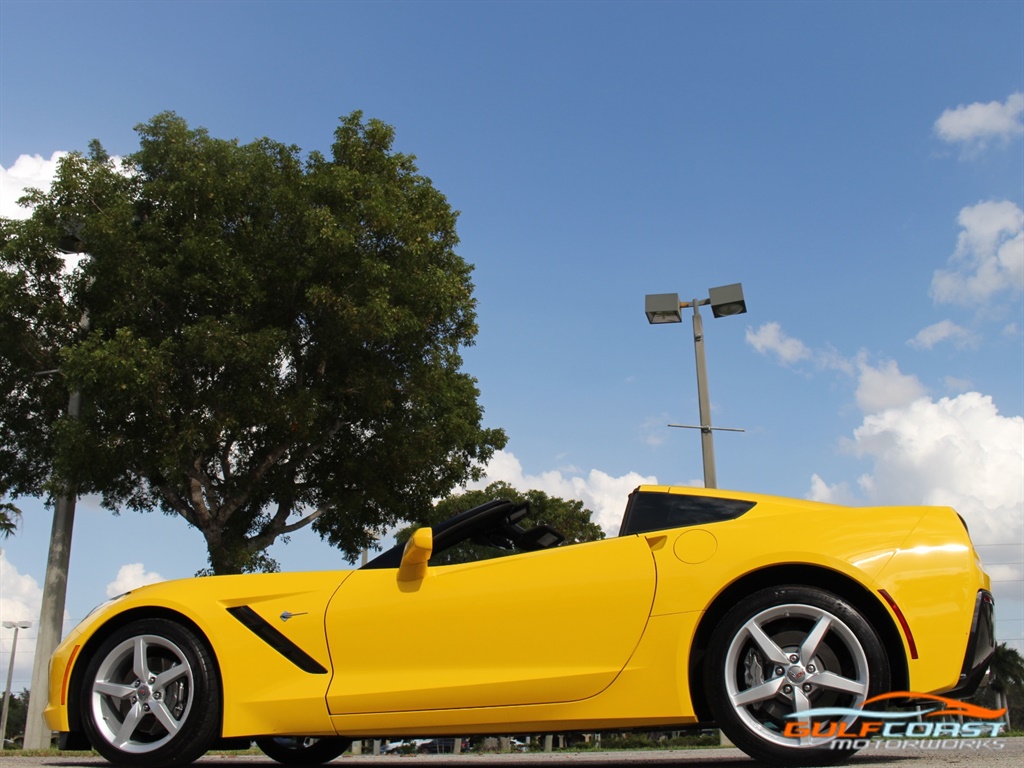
x: 710, y: 606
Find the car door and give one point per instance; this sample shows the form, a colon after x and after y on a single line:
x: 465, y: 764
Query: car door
x: 548, y: 626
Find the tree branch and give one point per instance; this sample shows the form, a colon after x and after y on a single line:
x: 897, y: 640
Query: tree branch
x: 230, y: 506
x: 175, y: 502
x: 272, y: 458
x: 269, y: 535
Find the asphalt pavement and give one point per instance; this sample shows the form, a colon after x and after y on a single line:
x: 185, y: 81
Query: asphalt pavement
x: 983, y: 753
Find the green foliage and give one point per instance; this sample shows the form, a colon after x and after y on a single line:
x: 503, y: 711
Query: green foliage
x: 272, y: 341
x: 627, y: 741
x: 569, y: 517
x: 1006, y: 678
x: 1004, y: 685
x: 1006, y: 668
x: 17, y: 712
x: 645, y: 741
x: 9, y: 515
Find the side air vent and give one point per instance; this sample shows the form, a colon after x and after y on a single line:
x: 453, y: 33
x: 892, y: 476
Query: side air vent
x: 259, y: 627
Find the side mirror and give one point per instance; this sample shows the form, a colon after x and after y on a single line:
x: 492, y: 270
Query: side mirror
x: 416, y: 554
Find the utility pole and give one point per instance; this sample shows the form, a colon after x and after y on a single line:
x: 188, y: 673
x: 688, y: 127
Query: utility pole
x: 55, y: 590
x: 51, y: 614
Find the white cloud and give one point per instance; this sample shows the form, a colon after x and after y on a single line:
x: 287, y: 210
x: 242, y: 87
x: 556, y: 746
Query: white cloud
x: 131, y: 576
x: 878, y: 387
x: 974, y: 125
x: 20, y: 600
x: 989, y: 256
x: 600, y: 492
x: 885, y: 387
x: 21, y: 595
x: 770, y: 339
x: 956, y: 451
x: 28, y: 171
x: 653, y: 431
x: 945, y: 330
x: 829, y: 494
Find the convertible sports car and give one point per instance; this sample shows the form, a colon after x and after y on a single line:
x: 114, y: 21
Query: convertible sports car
x: 709, y: 607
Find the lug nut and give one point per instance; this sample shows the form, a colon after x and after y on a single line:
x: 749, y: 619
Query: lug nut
x: 794, y: 658
x: 807, y: 687
x: 779, y: 671
x: 145, y: 707
x: 787, y: 689
x: 811, y: 668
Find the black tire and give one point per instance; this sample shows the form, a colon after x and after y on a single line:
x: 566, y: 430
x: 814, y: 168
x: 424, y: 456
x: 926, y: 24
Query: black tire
x: 784, y: 650
x: 150, y: 695
x: 299, y: 750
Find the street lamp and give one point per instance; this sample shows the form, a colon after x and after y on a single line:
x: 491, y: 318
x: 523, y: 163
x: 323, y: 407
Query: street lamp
x: 664, y: 308
x: 15, y: 625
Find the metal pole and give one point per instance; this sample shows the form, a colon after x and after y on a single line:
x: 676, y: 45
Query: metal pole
x: 51, y: 614
x: 707, y: 438
x: 7, y: 690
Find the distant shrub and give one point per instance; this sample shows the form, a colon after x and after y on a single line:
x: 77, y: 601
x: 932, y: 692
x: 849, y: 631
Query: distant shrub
x: 628, y: 741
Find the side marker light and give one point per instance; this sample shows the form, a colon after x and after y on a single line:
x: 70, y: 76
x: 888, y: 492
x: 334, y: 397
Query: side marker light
x: 903, y: 622
x: 67, y: 675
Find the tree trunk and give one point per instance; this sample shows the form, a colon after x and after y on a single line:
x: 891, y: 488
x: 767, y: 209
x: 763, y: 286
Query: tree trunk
x: 227, y: 557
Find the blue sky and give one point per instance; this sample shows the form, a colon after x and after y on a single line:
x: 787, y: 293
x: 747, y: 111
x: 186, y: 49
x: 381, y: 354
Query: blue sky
x: 859, y: 167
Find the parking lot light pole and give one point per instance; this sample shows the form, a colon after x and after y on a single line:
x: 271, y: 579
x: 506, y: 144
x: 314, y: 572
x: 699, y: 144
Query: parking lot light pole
x: 15, y: 625
x: 662, y: 308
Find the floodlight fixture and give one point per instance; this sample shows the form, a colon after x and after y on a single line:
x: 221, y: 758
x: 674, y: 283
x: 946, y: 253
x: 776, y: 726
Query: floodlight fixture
x: 661, y: 308
x: 727, y: 300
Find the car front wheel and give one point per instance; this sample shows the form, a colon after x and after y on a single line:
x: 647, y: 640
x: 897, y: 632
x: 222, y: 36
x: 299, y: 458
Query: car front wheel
x: 150, y: 695
x: 299, y: 750
x: 783, y: 651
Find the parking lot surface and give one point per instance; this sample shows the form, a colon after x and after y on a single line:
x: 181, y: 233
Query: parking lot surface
x: 997, y: 753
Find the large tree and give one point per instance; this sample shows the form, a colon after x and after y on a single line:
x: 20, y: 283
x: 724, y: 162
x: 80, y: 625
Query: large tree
x: 269, y: 340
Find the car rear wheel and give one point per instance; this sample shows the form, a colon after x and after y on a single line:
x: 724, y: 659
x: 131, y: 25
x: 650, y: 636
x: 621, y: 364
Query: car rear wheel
x: 150, y: 695
x: 785, y: 650
x: 300, y: 750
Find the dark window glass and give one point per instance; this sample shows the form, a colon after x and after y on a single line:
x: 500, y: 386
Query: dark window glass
x: 658, y: 511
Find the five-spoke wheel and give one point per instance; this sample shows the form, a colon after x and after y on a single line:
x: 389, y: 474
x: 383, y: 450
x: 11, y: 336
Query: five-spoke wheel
x: 781, y: 652
x: 150, y: 695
